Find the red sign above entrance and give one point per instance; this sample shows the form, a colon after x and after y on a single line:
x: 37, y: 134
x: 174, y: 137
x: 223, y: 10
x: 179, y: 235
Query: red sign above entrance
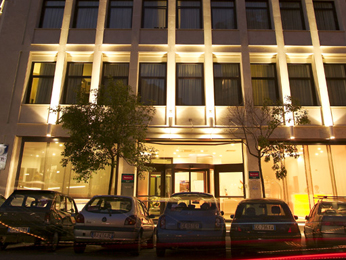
x: 127, y: 178
x: 254, y: 175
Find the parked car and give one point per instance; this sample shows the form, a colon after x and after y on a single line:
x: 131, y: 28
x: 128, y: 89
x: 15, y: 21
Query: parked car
x: 2, y: 199
x: 113, y: 219
x: 191, y: 219
x: 37, y: 216
x: 263, y: 224
x: 326, y: 223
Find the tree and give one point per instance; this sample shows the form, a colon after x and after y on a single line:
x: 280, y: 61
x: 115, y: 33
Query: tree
x: 102, y: 132
x: 255, y: 126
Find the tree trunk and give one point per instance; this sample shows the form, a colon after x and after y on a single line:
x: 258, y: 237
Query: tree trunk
x: 261, y: 176
x: 116, y: 176
x: 111, y: 177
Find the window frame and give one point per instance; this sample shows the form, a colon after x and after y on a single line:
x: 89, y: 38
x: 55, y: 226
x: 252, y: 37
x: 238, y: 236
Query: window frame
x: 269, y: 14
x: 154, y: 7
x: 230, y: 8
x: 240, y: 94
x: 300, y: 10
x: 110, y: 7
x: 202, y: 81
x: 153, y: 77
x: 200, y: 8
x: 77, y: 8
x: 336, y: 22
x: 115, y: 78
x: 335, y: 79
x: 45, y: 7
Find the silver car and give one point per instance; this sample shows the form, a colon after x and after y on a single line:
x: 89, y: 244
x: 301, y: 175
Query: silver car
x: 191, y: 219
x: 111, y: 219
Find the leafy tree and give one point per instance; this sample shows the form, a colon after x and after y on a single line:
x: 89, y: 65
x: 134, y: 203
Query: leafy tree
x: 255, y: 126
x: 102, y: 132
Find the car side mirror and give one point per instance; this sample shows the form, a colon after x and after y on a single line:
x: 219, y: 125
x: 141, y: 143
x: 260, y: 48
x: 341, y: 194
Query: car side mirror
x: 232, y: 216
x: 307, y: 217
x: 222, y: 213
x: 295, y: 217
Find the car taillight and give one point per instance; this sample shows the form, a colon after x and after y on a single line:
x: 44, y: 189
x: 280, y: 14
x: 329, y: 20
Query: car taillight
x: 235, y: 228
x: 79, y: 218
x: 131, y: 220
x: 293, y: 229
x: 162, y: 222
x: 218, y: 223
x: 47, y: 218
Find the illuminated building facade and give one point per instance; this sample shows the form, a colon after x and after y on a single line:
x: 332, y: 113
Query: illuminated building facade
x: 194, y: 58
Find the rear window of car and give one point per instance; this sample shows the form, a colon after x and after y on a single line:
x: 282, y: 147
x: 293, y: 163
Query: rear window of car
x: 263, y: 210
x: 109, y: 204
x: 30, y: 200
x: 327, y: 208
x: 191, y: 203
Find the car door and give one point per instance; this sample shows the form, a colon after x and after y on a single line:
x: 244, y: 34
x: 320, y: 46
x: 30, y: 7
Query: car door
x: 147, y: 222
x: 67, y: 220
x: 310, y: 222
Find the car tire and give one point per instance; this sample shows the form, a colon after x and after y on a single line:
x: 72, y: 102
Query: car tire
x: 79, y: 248
x: 3, y: 246
x: 137, y: 245
x: 54, y: 242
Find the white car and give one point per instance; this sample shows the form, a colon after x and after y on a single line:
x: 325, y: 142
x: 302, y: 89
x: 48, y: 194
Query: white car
x: 111, y: 219
x: 191, y: 219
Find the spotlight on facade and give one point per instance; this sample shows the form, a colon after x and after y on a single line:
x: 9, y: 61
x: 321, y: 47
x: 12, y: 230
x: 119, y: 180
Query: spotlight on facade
x: 331, y: 131
x: 291, y: 132
x: 49, y: 130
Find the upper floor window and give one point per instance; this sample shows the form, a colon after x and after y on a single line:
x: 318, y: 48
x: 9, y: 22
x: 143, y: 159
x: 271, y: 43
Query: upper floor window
x: 257, y: 14
x: 41, y: 83
x: 78, y: 79
x: 86, y: 12
x: 52, y: 14
x: 336, y: 83
x: 227, y: 86
x: 189, y: 14
x: 116, y: 72
x: 302, y: 84
x: 325, y: 15
x: 223, y: 14
x: 154, y: 14
x: 264, y: 83
x: 292, y: 15
x: 190, y: 87
x: 120, y: 14
x: 152, y: 83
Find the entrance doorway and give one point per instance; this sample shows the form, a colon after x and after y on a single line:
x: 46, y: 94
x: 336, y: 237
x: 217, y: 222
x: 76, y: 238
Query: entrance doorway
x: 190, y: 181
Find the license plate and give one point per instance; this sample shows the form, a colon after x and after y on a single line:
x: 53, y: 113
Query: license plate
x: 18, y: 230
x: 263, y: 227
x: 189, y: 225
x: 102, y: 235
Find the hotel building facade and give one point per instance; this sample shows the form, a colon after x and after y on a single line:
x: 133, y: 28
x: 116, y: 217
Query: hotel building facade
x: 194, y: 58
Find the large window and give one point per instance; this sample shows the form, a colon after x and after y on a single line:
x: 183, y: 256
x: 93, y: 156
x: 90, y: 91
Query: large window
x: 41, y: 83
x: 120, y: 14
x: 325, y: 15
x: 189, y: 14
x: 78, y: 81
x: 86, y: 12
x: 154, y: 14
x: 152, y: 83
x: 223, y: 14
x: 257, y: 15
x: 190, y: 87
x: 264, y: 83
x: 52, y: 13
x: 227, y: 86
x: 302, y: 84
x: 336, y: 82
x: 116, y: 72
x: 292, y: 15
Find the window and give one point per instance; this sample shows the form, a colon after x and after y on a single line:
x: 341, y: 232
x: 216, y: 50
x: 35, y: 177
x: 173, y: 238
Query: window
x: 78, y: 80
x: 152, y: 83
x: 41, y: 83
x: 223, y: 14
x: 227, y: 86
x: 257, y: 15
x: 325, y: 15
x: 120, y: 14
x: 154, y: 14
x: 292, y: 15
x: 52, y: 14
x: 190, y: 87
x: 115, y: 71
x: 336, y: 83
x: 264, y: 83
x: 302, y: 84
x: 86, y: 14
x: 189, y: 14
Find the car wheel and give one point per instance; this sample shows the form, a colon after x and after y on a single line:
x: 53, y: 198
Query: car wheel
x: 3, y: 246
x: 54, y: 241
x: 137, y: 245
x: 79, y: 248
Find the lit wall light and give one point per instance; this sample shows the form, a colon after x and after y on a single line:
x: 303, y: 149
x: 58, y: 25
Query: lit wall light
x: 49, y: 130
x: 291, y: 132
x: 331, y: 131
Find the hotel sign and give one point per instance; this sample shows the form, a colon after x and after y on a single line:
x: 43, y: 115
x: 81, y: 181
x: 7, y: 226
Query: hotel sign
x: 3, y: 156
x: 253, y: 175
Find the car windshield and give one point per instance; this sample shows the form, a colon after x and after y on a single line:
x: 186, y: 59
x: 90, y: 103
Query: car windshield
x: 109, y: 204
x: 263, y: 210
x: 191, y: 202
x: 34, y: 200
x: 327, y: 208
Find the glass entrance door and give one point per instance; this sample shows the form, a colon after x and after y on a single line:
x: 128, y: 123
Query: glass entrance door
x: 185, y: 181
